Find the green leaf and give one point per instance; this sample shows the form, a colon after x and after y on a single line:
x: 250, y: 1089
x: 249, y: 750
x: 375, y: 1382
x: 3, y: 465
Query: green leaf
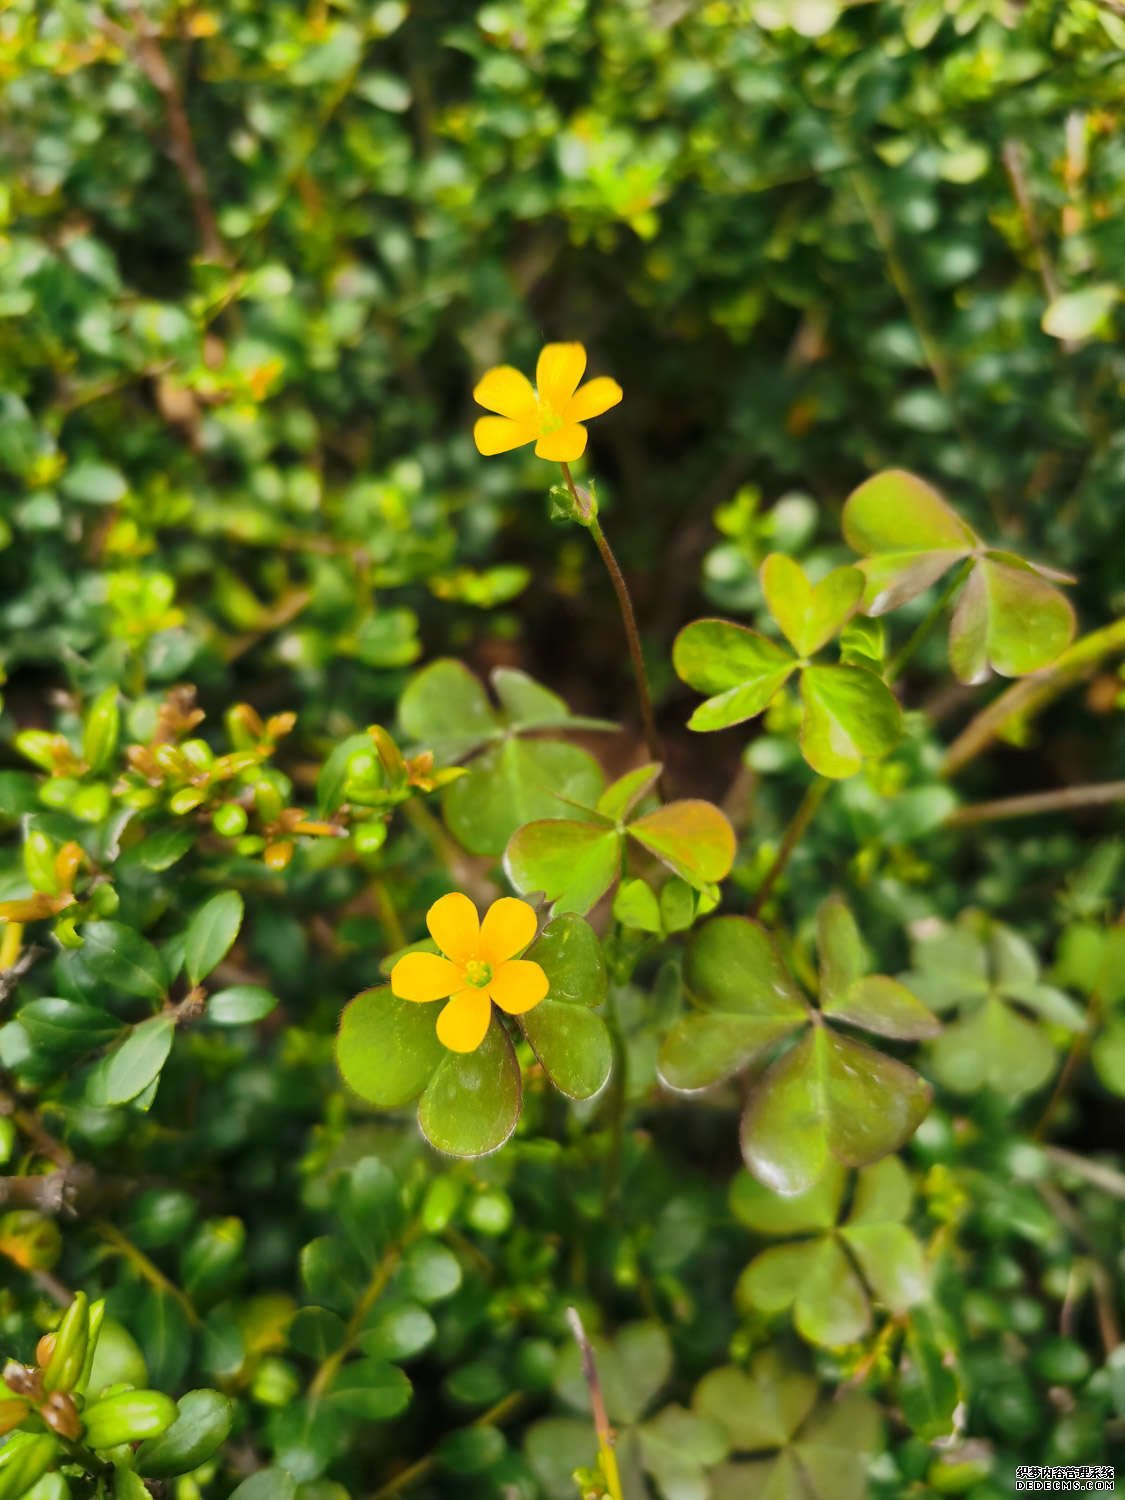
x: 767, y: 1212
x: 828, y: 1095
x: 387, y: 1049
x: 744, y: 670
x: 370, y: 1389
x: 164, y: 1334
x: 693, y: 838
x: 892, y: 1261
x: 94, y: 484
x: 518, y: 782
x: 833, y: 1448
x: 734, y: 972
x: 572, y: 864
x: 635, y: 905
x: 471, y: 1450
x: 203, y: 1421
x: 849, y: 715
x: 886, y: 1007
x: 840, y: 948
x: 633, y: 1368
x: 830, y: 1306
x: 240, y: 1005
x: 316, y: 1332
x: 760, y: 1409
x: 678, y: 1447
x: 809, y: 616
x: 67, y: 1026
x: 398, y: 1332
x: 211, y: 934
x: 1082, y: 314
x: 883, y: 1193
x: 114, y: 957
x: 554, y: 1448
x: 572, y: 1044
x: 929, y: 1391
x: 1008, y: 618
x: 472, y: 1103
x: 129, y: 1068
x: 895, y: 511
x: 267, y: 1484
x: 526, y: 703
x: 995, y: 1048
x: 619, y: 799
x: 333, y: 779
x: 1108, y: 1056
x: 447, y: 710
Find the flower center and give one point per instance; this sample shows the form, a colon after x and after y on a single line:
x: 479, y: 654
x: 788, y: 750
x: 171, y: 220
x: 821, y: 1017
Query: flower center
x: 478, y: 973
x: 549, y: 419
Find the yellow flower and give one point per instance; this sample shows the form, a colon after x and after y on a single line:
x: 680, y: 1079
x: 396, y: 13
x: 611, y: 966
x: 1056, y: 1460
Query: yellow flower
x: 551, y: 414
x: 480, y: 966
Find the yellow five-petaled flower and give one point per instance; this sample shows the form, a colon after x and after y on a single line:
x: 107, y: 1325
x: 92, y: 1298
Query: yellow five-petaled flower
x: 479, y: 967
x: 550, y: 413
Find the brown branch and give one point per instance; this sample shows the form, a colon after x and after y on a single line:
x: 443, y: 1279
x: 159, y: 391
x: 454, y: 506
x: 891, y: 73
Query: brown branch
x: 1014, y: 157
x: 1064, y: 799
x: 64, y: 1193
x: 181, y: 143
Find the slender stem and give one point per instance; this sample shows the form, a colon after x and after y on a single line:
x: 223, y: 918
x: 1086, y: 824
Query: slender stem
x: 806, y: 811
x: 1064, y: 799
x: 625, y: 604
x: 380, y: 1276
x: 1109, y: 1179
x: 616, y: 1103
x: 145, y: 1268
x: 495, y: 1416
x: 606, y: 1454
x: 928, y: 623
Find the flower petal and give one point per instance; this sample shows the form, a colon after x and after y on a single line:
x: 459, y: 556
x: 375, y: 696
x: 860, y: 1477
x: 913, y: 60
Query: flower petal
x: 425, y: 976
x: 508, y: 926
x: 464, y: 1021
x: 558, y: 372
x: 563, y: 446
x: 507, y: 391
x: 518, y: 985
x: 455, y: 927
x: 499, y: 434
x: 592, y: 399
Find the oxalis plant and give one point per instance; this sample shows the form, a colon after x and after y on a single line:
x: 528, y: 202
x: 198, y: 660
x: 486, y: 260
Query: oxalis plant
x: 612, y: 958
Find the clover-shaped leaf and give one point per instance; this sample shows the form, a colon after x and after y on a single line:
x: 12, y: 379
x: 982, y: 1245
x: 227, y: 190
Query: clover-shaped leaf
x: 569, y: 1038
x: 817, y: 1277
x: 511, y: 780
x: 389, y: 1054
x: 848, y: 712
x: 787, y: 1447
x: 990, y: 977
x: 826, y: 1097
x: 1009, y: 617
x: 574, y: 861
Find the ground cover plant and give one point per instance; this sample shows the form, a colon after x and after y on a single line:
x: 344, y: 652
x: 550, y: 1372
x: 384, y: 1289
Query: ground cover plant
x: 561, y: 618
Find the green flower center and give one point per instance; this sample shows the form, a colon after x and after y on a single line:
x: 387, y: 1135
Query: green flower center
x: 478, y: 973
x: 549, y: 419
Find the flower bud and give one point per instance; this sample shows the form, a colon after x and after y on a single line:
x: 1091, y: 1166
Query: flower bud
x: 230, y: 820
x: 12, y: 1413
x: 69, y: 1353
x: 24, y: 1459
x: 100, y: 731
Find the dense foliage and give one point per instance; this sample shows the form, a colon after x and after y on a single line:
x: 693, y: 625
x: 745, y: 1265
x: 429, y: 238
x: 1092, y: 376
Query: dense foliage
x: 794, y: 1072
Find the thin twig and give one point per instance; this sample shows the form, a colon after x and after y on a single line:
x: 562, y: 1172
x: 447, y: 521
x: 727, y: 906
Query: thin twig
x: 181, y: 142
x: 597, y: 1405
x: 929, y: 621
x: 148, y: 1270
x: 380, y: 1276
x: 806, y: 811
x: 1108, y: 1179
x: 1014, y: 157
x: 495, y: 1416
x: 1063, y: 799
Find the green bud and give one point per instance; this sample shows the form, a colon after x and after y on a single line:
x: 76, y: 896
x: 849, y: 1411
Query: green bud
x: 38, y: 746
x: 442, y: 1198
x: 105, y: 900
x: 67, y: 934
x: 490, y: 1212
x: 24, y: 1459
x: 198, y: 753
x: 39, y: 862
x: 268, y: 800
x: 230, y: 820
x: 250, y: 843
x: 127, y: 1417
x: 369, y: 838
x: 91, y: 803
x: 101, y: 729
x: 128, y: 1485
x: 8, y: 1139
x: 59, y: 792
x: 94, y: 1322
x: 68, y: 1359
x: 186, y: 800
x: 275, y: 1383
